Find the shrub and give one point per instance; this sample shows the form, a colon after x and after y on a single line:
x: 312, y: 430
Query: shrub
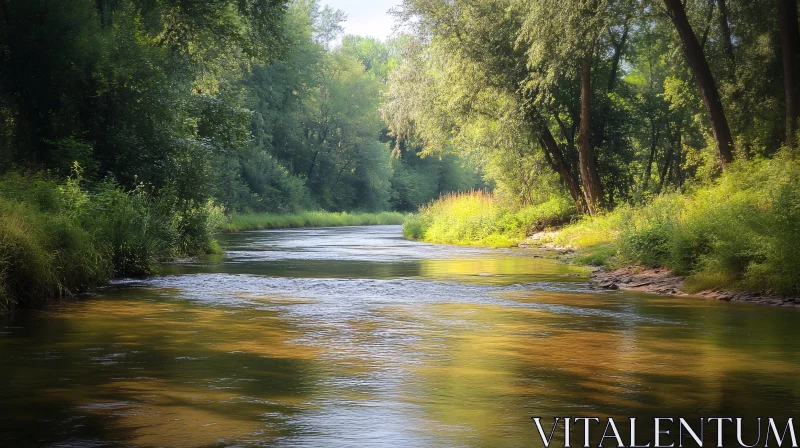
x: 27, y: 271
x: 645, y: 233
x: 741, y: 231
x: 481, y: 218
x: 58, y: 238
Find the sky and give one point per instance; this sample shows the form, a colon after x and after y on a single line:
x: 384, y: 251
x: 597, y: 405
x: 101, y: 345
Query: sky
x: 366, y: 17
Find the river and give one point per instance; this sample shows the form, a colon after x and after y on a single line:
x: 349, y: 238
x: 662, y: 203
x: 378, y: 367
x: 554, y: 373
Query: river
x: 350, y: 337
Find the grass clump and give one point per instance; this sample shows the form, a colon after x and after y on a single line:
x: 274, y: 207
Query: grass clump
x: 59, y: 238
x: 264, y: 221
x: 741, y: 232
x: 598, y: 255
x: 483, y: 219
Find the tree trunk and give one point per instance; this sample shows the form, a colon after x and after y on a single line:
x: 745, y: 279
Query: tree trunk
x: 678, y: 158
x: 648, y: 171
x: 592, y: 189
x: 311, y: 166
x: 705, y: 81
x: 618, y: 49
x: 708, y: 24
x: 725, y: 28
x: 787, y: 23
x: 561, y: 166
x: 666, y: 169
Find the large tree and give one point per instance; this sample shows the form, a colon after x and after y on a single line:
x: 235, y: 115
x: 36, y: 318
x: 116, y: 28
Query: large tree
x: 705, y: 80
x: 790, y: 46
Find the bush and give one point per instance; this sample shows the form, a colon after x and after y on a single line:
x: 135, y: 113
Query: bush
x: 740, y: 232
x: 646, y: 232
x: 58, y: 238
x: 26, y: 265
x: 481, y: 218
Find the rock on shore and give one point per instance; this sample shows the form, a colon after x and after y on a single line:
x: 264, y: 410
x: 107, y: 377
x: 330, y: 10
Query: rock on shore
x: 664, y: 281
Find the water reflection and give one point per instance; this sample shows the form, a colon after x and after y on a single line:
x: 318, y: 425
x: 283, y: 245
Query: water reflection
x: 356, y: 337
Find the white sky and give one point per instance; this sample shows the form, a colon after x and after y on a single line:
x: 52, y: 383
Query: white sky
x: 366, y: 17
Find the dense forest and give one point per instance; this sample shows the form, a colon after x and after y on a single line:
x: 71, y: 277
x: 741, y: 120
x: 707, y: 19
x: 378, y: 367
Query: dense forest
x: 242, y: 102
x: 131, y: 130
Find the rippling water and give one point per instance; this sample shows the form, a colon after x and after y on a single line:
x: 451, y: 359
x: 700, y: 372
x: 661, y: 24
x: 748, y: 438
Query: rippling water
x: 357, y: 337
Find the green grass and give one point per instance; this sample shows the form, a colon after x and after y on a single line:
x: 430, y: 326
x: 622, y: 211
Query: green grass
x: 58, y: 237
x: 599, y: 255
x: 741, y: 232
x: 242, y: 222
x: 478, y: 218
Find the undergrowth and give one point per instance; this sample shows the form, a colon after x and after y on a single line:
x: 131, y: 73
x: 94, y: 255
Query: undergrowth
x: 481, y: 218
x: 740, y: 232
x: 61, y: 237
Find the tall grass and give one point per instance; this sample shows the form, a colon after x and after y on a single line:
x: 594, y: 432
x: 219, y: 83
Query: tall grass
x: 58, y: 238
x: 481, y: 218
x: 741, y: 232
x: 242, y: 222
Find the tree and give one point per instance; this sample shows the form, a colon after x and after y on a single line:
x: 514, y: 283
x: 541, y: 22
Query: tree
x: 473, y: 44
x: 585, y: 22
x: 705, y: 80
x: 790, y: 46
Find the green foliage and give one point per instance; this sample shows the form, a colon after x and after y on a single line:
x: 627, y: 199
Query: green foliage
x: 481, y: 218
x: 58, y: 238
x: 239, y: 223
x: 27, y: 271
x: 599, y: 255
x: 739, y: 232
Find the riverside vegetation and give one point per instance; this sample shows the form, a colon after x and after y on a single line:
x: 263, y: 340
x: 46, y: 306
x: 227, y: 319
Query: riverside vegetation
x: 665, y: 132
x: 240, y: 223
x: 662, y: 132
x: 740, y: 232
x: 133, y: 130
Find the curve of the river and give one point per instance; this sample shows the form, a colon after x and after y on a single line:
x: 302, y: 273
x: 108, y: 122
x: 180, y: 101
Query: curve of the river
x: 352, y: 337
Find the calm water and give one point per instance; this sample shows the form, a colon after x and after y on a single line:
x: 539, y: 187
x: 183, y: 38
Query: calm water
x: 355, y: 337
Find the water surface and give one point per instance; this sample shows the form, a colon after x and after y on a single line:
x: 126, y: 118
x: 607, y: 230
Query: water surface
x: 356, y: 337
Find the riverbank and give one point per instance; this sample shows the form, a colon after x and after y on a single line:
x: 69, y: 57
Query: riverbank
x: 58, y: 238
x: 479, y: 218
x: 265, y: 221
x: 737, y: 233
x: 665, y: 282
x: 63, y: 237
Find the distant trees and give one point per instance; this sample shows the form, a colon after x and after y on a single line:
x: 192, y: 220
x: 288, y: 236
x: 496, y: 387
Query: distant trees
x: 252, y: 103
x: 244, y: 101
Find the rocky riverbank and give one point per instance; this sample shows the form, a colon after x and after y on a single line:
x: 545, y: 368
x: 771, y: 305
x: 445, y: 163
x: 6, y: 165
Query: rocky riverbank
x: 664, y: 281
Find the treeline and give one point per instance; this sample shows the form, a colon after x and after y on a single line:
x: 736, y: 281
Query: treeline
x: 673, y: 123
x: 243, y: 102
x: 179, y: 110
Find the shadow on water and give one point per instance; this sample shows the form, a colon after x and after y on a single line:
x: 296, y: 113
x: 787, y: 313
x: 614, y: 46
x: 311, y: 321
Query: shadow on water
x: 356, y: 337
x: 148, y: 373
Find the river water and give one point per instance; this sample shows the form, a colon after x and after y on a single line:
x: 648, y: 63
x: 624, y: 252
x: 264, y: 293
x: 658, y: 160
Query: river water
x: 353, y: 337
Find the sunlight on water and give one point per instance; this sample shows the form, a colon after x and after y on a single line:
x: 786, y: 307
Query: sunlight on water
x: 356, y: 337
